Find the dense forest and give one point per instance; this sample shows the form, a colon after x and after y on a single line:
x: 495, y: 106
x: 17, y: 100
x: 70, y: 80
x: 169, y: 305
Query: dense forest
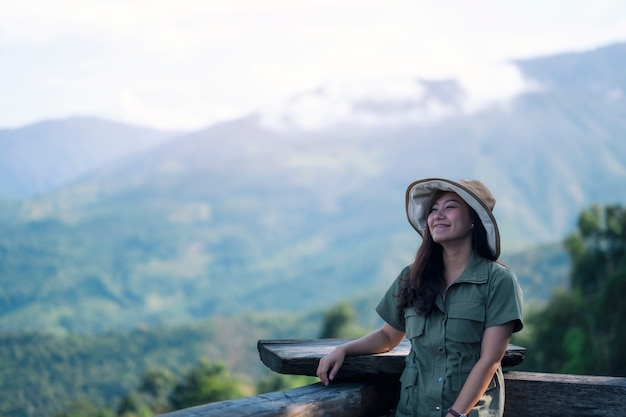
x: 153, y: 370
x: 43, y: 374
x: 580, y: 330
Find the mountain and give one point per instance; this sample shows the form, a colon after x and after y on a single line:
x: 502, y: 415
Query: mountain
x: 290, y: 214
x: 41, y: 157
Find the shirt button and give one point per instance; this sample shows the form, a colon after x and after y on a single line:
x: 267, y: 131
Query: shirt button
x: 440, y: 349
x: 440, y: 379
x: 437, y: 408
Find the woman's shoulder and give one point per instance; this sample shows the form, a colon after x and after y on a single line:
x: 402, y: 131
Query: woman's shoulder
x: 501, y: 267
x: 500, y: 273
x: 403, y: 276
x: 406, y: 271
x: 493, y: 271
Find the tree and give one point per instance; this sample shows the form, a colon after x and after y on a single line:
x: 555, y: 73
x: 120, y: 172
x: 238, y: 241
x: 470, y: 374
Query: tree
x: 133, y: 404
x: 339, y: 323
x: 579, y: 331
x: 206, y: 383
x: 157, y: 384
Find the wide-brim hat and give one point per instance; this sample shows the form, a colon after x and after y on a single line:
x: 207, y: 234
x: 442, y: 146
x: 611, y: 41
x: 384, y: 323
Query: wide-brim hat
x: 420, y: 193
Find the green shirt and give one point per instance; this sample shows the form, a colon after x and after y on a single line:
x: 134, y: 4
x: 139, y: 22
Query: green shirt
x: 445, y: 345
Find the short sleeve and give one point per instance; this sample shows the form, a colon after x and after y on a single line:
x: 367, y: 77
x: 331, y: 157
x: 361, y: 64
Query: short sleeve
x: 387, y: 308
x: 505, y: 299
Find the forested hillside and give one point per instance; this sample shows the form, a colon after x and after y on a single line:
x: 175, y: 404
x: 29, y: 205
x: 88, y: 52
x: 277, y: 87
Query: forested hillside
x: 123, y: 248
x: 43, y: 373
x: 243, y: 217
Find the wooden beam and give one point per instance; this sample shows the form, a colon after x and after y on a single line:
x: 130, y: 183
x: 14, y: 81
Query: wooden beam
x: 300, y: 357
x: 558, y: 395
x: 527, y: 394
x: 344, y: 399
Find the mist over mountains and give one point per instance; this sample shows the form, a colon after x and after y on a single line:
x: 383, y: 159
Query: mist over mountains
x: 106, y: 225
x: 43, y: 156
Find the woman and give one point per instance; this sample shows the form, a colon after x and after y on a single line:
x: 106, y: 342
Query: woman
x: 455, y: 303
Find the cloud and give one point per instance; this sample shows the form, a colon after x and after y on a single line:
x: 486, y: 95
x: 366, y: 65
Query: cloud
x: 380, y: 102
x: 189, y: 63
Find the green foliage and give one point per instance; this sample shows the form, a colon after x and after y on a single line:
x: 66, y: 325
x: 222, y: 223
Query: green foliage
x: 281, y: 382
x: 336, y: 320
x: 580, y: 330
x: 133, y: 404
x: 42, y: 374
x: 157, y: 383
x: 84, y: 409
x: 611, y: 317
x: 206, y: 383
x: 159, y: 393
x: 339, y: 322
x: 151, y: 397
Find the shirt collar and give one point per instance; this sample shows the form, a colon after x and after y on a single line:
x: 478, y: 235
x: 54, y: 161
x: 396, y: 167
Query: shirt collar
x: 475, y: 272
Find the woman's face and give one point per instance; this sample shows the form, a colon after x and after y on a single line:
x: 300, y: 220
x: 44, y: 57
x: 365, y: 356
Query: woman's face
x: 449, y: 219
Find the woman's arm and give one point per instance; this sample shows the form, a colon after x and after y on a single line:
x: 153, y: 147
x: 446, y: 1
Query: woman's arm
x: 381, y: 340
x: 493, y: 347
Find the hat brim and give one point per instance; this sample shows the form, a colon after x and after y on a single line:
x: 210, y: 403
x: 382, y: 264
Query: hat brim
x: 420, y: 193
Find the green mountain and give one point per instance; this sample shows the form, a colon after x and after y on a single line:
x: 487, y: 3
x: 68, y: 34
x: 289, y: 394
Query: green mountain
x: 198, y: 245
x: 244, y: 218
x: 43, y: 156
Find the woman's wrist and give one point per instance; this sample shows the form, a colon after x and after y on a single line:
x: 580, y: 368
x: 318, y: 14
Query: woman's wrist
x: 452, y: 412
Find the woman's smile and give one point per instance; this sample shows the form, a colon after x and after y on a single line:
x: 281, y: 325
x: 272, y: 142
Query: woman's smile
x: 449, y: 219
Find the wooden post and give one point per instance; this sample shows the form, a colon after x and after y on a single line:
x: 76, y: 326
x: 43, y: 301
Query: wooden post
x: 558, y: 395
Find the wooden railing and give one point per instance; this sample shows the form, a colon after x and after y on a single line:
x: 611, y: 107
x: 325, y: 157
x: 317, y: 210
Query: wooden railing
x: 367, y: 386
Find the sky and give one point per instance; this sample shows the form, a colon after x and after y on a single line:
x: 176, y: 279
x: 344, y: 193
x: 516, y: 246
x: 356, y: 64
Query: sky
x: 187, y: 64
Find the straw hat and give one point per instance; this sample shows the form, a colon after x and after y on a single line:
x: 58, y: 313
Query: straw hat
x: 473, y: 192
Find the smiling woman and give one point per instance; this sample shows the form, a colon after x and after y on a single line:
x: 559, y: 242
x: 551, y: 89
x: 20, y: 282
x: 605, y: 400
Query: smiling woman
x: 457, y: 306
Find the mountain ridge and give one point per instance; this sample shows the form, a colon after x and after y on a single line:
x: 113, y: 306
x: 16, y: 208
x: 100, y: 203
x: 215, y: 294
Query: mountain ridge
x: 40, y: 157
x: 241, y: 217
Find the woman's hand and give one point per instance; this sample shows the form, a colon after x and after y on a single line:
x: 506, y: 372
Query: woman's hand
x: 330, y: 364
x: 381, y: 340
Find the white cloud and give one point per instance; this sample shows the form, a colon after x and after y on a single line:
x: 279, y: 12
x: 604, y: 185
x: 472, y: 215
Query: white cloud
x: 397, y: 101
x: 495, y: 84
x: 188, y: 63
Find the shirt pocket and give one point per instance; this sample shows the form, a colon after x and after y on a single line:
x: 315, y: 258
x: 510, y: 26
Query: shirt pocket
x: 466, y: 322
x: 414, y: 323
x: 408, y: 391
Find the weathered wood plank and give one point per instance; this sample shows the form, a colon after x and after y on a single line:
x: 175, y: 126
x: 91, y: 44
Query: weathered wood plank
x: 300, y: 357
x: 558, y: 395
x: 356, y: 399
x: 527, y: 394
